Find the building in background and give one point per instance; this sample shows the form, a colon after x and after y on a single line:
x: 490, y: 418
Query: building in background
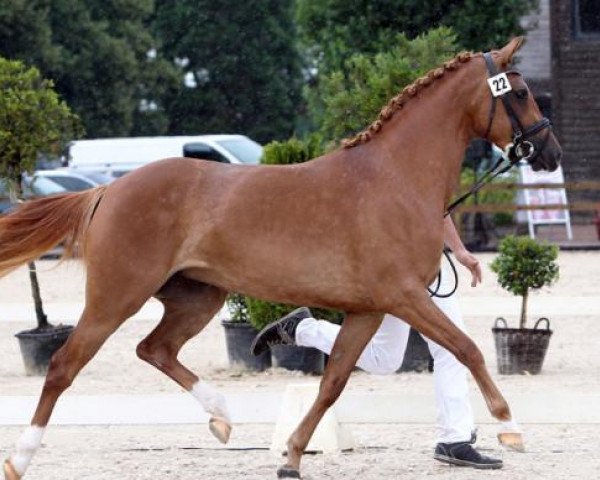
x: 561, y: 63
x: 575, y: 27
x: 534, y: 58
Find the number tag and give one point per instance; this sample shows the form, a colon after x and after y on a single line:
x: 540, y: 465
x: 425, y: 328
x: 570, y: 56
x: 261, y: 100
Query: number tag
x: 499, y: 84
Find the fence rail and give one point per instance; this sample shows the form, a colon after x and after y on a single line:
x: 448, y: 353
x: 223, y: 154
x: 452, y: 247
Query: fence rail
x: 579, y: 206
x: 584, y: 185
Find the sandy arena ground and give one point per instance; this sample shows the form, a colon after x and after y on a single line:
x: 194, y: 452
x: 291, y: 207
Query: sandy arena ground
x: 391, y: 451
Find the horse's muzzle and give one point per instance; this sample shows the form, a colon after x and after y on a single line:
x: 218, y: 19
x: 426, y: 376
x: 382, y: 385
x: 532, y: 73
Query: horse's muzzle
x: 548, y: 154
x: 546, y: 161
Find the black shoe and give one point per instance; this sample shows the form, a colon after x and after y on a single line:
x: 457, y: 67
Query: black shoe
x: 464, y: 455
x: 279, y: 332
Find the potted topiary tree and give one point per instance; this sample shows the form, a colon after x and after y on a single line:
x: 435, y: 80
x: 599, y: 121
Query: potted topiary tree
x: 34, y: 121
x: 523, y: 264
x: 239, y: 334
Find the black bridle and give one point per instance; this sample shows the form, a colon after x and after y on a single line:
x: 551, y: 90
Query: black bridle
x: 522, y: 148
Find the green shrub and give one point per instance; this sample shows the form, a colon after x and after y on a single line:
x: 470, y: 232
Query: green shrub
x: 349, y: 99
x: 34, y: 120
x: 293, y: 150
x: 524, y: 264
x: 261, y: 313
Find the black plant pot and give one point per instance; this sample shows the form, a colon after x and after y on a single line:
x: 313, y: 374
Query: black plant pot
x: 38, y: 346
x: 521, y: 350
x: 417, y: 357
x: 304, y: 359
x: 238, y: 338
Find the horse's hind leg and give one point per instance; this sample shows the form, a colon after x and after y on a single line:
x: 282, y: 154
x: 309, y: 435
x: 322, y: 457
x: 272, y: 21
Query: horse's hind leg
x: 189, y: 306
x: 354, y: 335
x: 92, y: 330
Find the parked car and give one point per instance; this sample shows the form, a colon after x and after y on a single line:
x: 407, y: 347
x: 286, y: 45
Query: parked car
x: 33, y: 187
x: 74, y: 181
x: 118, y: 156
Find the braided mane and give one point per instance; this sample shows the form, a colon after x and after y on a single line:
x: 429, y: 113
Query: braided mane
x: 398, y: 102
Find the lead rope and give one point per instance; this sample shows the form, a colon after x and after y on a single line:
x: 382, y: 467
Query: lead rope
x: 436, y: 291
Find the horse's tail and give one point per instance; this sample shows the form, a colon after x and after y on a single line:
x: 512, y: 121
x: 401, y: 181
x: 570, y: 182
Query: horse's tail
x: 36, y: 226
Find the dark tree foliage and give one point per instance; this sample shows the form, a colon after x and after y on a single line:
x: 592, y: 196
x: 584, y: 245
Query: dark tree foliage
x: 240, y: 66
x: 96, y: 51
x: 332, y: 30
x: 25, y: 32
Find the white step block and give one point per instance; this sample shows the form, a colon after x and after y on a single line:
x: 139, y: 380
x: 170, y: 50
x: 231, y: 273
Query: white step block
x: 329, y: 437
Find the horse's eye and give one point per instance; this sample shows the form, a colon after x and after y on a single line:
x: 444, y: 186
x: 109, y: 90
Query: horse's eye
x: 522, y: 94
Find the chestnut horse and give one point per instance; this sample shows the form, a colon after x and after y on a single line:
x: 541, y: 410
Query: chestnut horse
x: 358, y: 230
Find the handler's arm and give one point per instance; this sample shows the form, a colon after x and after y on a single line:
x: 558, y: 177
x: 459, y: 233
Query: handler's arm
x: 466, y: 258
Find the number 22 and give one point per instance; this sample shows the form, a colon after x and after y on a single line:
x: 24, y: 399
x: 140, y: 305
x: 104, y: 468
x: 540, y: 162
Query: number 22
x: 499, y: 84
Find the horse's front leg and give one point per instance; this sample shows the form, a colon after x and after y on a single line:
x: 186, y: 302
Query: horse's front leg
x: 354, y: 335
x: 418, y: 310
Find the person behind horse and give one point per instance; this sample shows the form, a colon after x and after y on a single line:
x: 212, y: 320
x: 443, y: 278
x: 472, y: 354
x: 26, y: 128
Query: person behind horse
x: 385, y: 352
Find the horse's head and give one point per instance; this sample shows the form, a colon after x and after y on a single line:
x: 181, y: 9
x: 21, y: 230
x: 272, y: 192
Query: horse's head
x: 515, y: 121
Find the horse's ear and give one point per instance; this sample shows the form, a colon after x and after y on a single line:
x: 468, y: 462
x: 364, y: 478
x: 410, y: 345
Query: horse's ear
x: 507, y: 52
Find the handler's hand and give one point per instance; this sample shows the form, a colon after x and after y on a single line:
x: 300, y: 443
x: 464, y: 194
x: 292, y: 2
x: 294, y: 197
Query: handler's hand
x: 467, y: 259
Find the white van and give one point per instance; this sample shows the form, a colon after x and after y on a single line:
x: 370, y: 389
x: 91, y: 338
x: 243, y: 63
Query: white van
x: 118, y: 156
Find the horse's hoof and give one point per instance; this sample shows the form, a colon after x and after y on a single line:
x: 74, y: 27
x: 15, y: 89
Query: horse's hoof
x: 220, y: 428
x: 9, y: 471
x: 512, y: 440
x: 287, y: 472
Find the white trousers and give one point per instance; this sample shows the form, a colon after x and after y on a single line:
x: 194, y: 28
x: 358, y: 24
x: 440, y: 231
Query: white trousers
x: 385, y: 352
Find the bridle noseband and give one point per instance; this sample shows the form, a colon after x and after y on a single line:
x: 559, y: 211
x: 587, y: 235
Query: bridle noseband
x: 522, y: 148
